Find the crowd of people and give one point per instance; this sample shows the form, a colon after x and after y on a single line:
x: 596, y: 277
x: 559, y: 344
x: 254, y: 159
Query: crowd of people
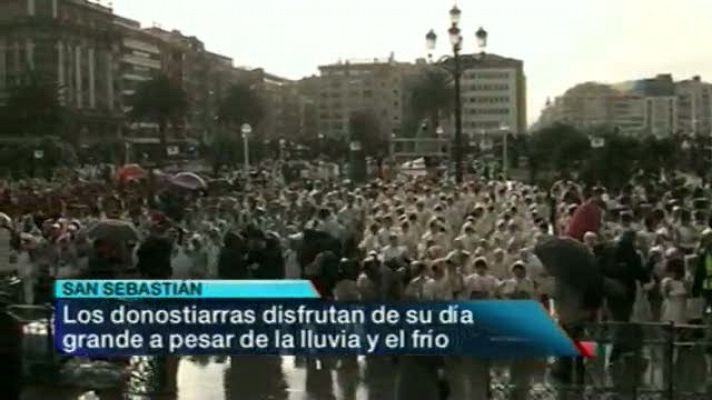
x: 406, y: 238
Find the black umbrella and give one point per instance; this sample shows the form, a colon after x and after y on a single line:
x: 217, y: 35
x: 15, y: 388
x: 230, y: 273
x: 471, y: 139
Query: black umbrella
x: 575, y: 269
x: 568, y: 260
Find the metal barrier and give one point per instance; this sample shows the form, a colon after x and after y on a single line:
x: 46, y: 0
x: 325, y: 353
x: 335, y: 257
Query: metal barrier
x: 34, y: 324
x: 651, y: 361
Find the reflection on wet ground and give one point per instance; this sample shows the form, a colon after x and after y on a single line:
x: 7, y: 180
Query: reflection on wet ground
x: 253, y: 378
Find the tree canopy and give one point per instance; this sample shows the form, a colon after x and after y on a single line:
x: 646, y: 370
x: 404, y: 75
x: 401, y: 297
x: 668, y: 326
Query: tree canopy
x: 365, y: 127
x: 566, y: 150
x: 32, y: 108
x: 558, y: 146
x: 242, y: 104
x: 429, y: 96
x: 161, y: 101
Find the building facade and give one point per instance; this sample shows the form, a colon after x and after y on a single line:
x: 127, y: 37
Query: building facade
x: 139, y: 61
x: 493, y: 94
x: 656, y: 106
x: 73, y: 44
x: 308, y: 95
x: 694, y: 106
x: 346, y: 87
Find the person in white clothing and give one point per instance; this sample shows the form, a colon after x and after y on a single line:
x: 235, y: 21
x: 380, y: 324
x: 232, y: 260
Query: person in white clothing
x: 468, y: 237
x: 346, y: 289
x: 480, y: 285
x: 675, y: 293
x: 394, y: 250
x: 292, y: 269
x: 519, y: 286
x: 438, y: 287
x: 415, y: 290
x: 371, y: 241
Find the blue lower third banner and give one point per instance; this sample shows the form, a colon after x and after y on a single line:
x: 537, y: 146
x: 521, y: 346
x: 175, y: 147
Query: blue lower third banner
x: 486, y: 329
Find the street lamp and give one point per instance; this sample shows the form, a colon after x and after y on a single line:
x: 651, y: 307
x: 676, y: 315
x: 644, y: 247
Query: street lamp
x: 456, y: 42
x: 282, y: 145
x: 504, y: 128
x: 481, y: 36
x: 246, y: 130
x: 597, y: 142
x: 455, y: 15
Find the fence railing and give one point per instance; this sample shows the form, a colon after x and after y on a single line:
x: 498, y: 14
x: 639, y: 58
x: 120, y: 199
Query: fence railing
x: 631, y: 361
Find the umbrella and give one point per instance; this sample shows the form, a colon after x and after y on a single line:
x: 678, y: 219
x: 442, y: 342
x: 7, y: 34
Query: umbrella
x: 576, y: 271
x: 568, y: 260
x: 130, y: 172
x: 189, y: 181
x: 114, y: 230
x: 5, y: 220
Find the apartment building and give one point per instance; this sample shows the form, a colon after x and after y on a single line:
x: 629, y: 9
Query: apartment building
x: 493, y: 94
x: 347, y: 86
x: 74, y: 44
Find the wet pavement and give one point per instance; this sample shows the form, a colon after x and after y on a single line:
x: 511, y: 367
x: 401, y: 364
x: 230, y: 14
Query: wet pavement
x: 254, y: 378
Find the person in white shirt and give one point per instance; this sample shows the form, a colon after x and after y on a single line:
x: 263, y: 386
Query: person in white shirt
x: 415, y: 290
x: 386, y: 230
x: 328, y: 223
x: 468, y: 237
x: 369, y: 281
x: 292, y: 269
x: 480, y: 285
x: 346, y: 289
x: 409, y: 239
x: 371, y: 242
x: 438, y: 287
x: 686, y: 235
x: 519, y: 286
x: 675, y: 293
x: 394, y: 250
x: 436, y: 234
x: 500, y: 265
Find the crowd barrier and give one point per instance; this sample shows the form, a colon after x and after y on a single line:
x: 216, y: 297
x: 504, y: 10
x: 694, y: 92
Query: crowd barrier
x: 646, y: 361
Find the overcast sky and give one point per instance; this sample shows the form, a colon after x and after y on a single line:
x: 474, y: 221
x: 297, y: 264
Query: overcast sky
x: 562, y: 42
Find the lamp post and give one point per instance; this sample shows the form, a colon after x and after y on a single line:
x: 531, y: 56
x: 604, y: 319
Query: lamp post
x: 504, y: 128
x: 319, y: 144
x: 456, y: 42
x: 246, y: 130
x: 597, y: 143
x: 282, y: 145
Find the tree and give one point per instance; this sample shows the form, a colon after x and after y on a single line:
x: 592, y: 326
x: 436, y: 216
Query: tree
x: 617, y: 160
x: 430, y: 94
x: 37, y: 156
x: 656, y: 153
x: 161, y: 101
x: 365, y: 128
x: 560, y: 147
x: 241, y: 105
x: 32, y: 109
x: 224, y: 149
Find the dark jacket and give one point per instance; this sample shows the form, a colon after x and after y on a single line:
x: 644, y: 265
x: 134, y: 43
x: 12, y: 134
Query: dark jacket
x: 269, y: 259
x: 231, y: 263
x: 700, y: 272
x: 625, y: 268
x: 154, y: 258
